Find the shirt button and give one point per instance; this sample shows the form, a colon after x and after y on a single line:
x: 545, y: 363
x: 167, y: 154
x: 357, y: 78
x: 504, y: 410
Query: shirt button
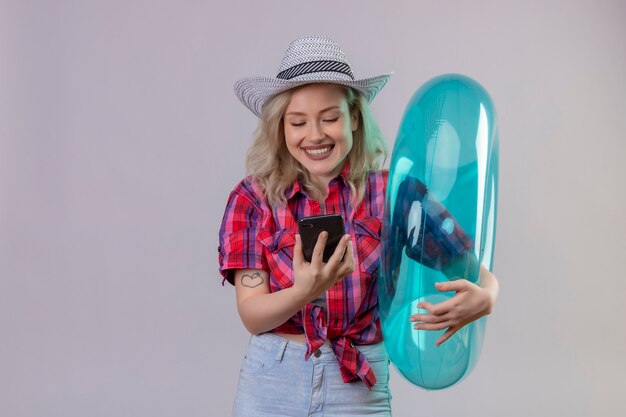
x: 317, y: 353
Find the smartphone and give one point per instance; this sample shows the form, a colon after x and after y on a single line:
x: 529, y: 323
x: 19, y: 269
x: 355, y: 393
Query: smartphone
x: 311, y: 227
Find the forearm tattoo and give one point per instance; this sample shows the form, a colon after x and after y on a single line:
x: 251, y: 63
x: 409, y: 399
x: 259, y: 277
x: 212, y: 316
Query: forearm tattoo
x: 251, y: 281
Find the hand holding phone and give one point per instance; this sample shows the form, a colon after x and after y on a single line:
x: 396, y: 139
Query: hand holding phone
x: 322, y: 267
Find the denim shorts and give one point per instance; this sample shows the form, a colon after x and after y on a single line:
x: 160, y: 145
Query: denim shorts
x: 276, y: 380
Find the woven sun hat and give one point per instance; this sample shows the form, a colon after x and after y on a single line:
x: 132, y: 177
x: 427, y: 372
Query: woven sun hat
x: 311, y: 59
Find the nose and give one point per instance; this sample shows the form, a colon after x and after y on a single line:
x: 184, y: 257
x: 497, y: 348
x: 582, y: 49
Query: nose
x: 316, y: 132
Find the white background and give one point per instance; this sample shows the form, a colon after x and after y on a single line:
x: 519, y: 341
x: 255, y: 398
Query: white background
x: 120, y: 139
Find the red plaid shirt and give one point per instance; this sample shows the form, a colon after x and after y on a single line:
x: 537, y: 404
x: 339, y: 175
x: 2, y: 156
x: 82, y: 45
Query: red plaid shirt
x: 255, y: 235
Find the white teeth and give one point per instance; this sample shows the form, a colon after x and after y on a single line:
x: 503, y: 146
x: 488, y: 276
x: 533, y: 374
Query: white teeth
x: 318, y: 151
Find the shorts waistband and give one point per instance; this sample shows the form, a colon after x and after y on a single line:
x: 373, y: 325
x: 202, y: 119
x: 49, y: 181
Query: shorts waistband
x: 281, y: 346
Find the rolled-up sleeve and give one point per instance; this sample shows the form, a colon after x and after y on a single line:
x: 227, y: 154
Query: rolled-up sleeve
x: 239, y: 247
x: 439, y: 238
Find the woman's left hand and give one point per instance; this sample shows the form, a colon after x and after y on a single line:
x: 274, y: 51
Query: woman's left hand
x: 468, y: 304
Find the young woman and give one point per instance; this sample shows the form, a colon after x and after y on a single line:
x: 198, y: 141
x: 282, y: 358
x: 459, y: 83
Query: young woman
x: 316, y: 345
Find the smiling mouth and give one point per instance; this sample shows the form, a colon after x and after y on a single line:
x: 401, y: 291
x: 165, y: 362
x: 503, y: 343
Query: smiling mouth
x: 318, y: 151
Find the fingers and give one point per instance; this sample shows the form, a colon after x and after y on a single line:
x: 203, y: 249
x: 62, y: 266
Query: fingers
x: 439, y: 316
x: 447, y: 335
x: 430, y: 307
x: 298, y: 256
x: 340, y: 250
x: 443, y: 315
x: 433, y: 323
x: 427, y: 318
x: 432, y: 326
x: 456, y: 285
x: 349, y: 255
x: 318, y: 250
x: 348, y: 264
x: 341, y: 263
x: 442, y: 308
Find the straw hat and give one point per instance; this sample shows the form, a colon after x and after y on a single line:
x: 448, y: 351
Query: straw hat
x: 312, y: 59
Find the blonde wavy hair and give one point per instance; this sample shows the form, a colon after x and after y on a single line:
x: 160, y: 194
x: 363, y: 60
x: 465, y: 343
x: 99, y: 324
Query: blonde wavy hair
x: 271, y: 165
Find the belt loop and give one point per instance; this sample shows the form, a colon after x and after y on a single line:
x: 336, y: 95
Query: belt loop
x: 281, y: 350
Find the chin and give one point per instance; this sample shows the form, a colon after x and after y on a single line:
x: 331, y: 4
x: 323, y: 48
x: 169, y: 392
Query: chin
x: 320, y: 170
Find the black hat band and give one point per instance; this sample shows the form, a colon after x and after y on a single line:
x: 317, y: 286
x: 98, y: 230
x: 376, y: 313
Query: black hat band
x: 315, y: 66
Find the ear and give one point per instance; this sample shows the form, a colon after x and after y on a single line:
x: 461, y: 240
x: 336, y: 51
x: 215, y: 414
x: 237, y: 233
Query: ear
x: 354, y: 119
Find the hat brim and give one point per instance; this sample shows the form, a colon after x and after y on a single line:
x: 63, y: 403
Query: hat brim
x: 253, y: 92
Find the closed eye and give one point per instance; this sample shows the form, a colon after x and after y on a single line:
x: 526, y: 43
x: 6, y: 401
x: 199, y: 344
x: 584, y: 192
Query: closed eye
x: 325, y: 120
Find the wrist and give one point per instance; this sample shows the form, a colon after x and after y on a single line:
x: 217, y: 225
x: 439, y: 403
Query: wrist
x: 491, y: 295
x: 298, y: 294
x: 490, y: 286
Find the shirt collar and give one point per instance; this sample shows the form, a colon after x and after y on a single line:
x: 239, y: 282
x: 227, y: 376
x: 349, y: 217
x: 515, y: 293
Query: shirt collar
x: 297, y: 186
